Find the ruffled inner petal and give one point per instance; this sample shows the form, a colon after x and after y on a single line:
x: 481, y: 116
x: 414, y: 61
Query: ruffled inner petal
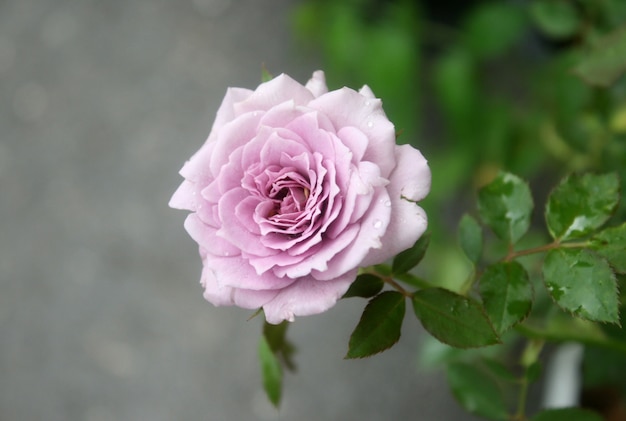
x: 233, y: 230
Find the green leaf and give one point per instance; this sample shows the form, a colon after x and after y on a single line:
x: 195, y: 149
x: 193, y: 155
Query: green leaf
x: 266, y: 76
x: 271, y: 372
x: 567, y: 414
x: 408, y: 259
x: 611, y: 244
x: 276, y: 336
x: 456, y: 89
x: 476, y: 391
x: 499, y: 370
x: 492, y: 28
x: 365, y: 285
x: 379, y: 327
x: 471, y: 238
x: 507, y: 294
x: 582, y: 283
x: 505, y: 206
x: 606, y: 61
x: 453, y: 319
x: 580, y: 204
x: 556, y: 18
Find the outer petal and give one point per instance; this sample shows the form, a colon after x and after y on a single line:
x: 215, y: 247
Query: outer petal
x: 276, y: 91
x: 317, y: 84
x: 367, y: 92
x: 223, y: 295
x: 226, y: 111
x: 206, y: 237
x: 373, y: 225
x: 185, y: 197
x: 236, y: 272
x: 412, y: 176
x: 305, y: 297
x: 410, y: 181
x: 346, y: 107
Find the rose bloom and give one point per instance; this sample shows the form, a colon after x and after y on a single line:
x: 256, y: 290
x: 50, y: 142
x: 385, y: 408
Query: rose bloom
x: 294, y: 190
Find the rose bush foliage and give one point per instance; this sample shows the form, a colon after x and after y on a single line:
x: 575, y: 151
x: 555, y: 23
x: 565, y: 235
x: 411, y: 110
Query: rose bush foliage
x: 296, y: 188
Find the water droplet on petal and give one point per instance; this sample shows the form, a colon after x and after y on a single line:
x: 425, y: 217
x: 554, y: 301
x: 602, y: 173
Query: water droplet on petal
x: 370, y: 124
x: 378, y: 223
x: 368, y: 103
x: 387, y: 203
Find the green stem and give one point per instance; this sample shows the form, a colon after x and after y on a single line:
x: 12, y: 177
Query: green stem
x: 546, y: 247
x: 389, y: 280
x: 521, y: 403
x: 556, y: 336
x: 529, y: 358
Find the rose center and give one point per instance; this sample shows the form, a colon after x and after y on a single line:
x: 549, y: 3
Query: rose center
x: 290, y: 195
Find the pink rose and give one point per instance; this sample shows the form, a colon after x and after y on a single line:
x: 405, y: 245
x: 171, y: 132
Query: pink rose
x: 294, y: 190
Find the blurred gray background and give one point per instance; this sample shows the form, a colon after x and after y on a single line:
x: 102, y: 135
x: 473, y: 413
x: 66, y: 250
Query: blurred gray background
x: 101, y: 314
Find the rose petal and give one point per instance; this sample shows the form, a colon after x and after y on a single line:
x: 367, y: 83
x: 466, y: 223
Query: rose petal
x: 411, y: 177
x: 232, y: 136
x: 409, y: 181
x: 222, y: 295
x: 236, y: 272
x: 185, y: 197
x: 233, y: 231
x: 317, y: 84
x: 306, y: 297
x: 372, y: 226
x: 276, y: 91
x: 226, y: 111
x: 346, y: 107
x: 206, y: 237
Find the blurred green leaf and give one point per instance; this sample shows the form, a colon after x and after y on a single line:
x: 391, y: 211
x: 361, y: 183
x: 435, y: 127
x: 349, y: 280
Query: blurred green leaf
x: 499, y: 370
x: 471, y: 238
x: 507, y: 294
x: 379, y: 327
x: 580, y: 204
x: 555, y: 18
x: 492, y: 28
x: 505, y: 205
x: 476, y: 391
x: 276, y: 336
x: 266, y: 76
x: 604, y: 366
x: 606, y: 61
x: 456, y: 89
x: 611, y: 244
x: 271, y: 372
x: 533, y: 371
x: 567, y: 414
x: 582, y: 283
x: 408, y: 259
x: 453, y: 319
x: 567, y: 99
x: 365, y: 285
x: 385, y: 39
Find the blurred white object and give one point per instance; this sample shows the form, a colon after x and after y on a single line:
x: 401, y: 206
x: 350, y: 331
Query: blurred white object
x: 563, y: 377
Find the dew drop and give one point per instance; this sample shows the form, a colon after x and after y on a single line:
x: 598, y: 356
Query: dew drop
x: 387, y: 203
x: 368, y: 103
x: 370, y: 124
x: 378, y: 223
